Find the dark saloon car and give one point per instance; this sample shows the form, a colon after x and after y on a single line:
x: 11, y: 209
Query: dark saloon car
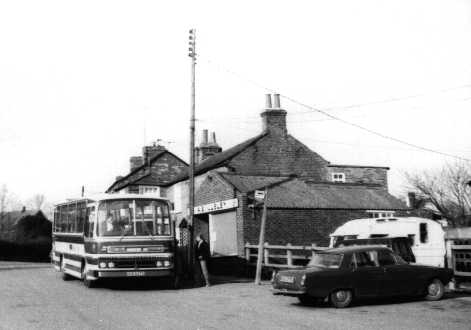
x: 346, y: 273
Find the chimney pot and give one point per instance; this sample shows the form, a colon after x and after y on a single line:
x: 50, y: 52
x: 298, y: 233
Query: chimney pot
x: 213, y: 137
x: 268, y: 101
x: 276, y: 101
x: 205, y: 136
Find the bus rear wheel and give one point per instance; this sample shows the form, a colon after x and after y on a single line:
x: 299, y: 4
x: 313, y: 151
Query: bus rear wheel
x: 87, y: 282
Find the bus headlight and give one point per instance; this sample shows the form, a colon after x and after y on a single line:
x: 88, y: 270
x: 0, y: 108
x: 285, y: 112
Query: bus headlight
x: 102, y: 264
x: 303, y: 280
x: 273, y: 276
x: 111, y: 264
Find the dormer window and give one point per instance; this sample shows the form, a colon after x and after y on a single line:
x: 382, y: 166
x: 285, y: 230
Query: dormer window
x: 144, y: 190
x: 338, y: 177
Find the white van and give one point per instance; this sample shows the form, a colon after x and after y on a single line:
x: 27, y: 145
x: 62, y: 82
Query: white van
x: 427, y: 236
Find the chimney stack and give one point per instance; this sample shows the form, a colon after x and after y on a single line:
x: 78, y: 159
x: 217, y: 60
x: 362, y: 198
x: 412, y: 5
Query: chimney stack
x: 207, y: 148
x: 274, y: 117
x: 267, y: 101
x: 205, y: 137
x: 213, y: 138
x: 276, y: 101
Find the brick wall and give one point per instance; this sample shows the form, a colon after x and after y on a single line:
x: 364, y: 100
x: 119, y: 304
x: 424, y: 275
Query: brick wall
x: 356, y: 174
x: 299, y: 226
x: 167, y: 167
x: 213, y: 189
x: 276, y: 154
x: 164, y: 169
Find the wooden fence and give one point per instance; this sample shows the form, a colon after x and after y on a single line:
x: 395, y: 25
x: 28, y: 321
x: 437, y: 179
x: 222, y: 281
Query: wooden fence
x: 282, y: 256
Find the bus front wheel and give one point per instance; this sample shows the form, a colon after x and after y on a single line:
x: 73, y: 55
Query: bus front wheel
x: 65, y: 276
x: 87, y: 282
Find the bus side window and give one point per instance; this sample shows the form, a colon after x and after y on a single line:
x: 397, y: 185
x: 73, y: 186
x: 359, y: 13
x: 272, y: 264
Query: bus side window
x: 89, y: 221
x: 81, y: 212
x: 63, y: 218
x: 423, y: 233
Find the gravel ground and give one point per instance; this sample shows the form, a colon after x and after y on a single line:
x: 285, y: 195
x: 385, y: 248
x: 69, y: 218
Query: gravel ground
x: 37, y: 298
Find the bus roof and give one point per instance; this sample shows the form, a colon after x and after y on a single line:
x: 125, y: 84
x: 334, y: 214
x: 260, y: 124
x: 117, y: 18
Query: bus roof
x: 104, y: 196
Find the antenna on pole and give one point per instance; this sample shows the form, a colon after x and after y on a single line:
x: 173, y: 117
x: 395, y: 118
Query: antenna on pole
x: 191, y: 173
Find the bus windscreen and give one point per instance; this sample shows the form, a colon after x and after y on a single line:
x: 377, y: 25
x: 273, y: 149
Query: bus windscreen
x: 129, y: 217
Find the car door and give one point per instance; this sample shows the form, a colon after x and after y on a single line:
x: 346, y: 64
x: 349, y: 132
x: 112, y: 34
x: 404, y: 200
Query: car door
x: 367, y: 276
x: 398, y: 276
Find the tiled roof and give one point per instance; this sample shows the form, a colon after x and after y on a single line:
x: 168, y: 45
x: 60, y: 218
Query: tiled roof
x: 219, y: 159
x: 246, y: 183
x: 299, y: 194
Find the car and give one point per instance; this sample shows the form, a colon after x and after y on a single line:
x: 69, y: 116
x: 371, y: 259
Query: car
x: 353, y: 272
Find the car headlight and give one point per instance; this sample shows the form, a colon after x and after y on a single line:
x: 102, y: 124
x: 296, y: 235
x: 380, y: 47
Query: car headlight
x: 111, y: 264
x: 167, y: 263
x: 159, y: 263
x: 102, y: 264
x: 303, y: 280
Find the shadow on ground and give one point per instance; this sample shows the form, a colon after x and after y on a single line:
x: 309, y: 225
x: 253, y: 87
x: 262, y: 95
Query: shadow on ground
x: 390, y: 301
x: 146, y: 284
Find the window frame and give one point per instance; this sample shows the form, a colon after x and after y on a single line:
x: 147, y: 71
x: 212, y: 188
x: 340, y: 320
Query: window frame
x: 338, y: 177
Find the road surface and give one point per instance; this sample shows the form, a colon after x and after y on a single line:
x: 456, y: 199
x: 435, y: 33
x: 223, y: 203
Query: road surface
x: 35, y: 297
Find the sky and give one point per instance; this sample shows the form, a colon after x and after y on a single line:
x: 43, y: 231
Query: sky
x: 85, y: 84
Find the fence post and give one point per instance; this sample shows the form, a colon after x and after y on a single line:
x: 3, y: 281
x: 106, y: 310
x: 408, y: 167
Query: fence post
x: 289, y: 255
x: 266, y: 254
x: 247, y: 252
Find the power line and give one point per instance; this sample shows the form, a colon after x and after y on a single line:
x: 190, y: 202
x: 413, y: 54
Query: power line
x: 373, y: 132
x: 313, y: 109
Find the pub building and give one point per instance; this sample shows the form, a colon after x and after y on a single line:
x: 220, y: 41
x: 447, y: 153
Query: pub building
x: 308, y: 197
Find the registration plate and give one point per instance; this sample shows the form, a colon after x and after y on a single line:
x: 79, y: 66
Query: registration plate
x: 287, y: 279
x: 135, y: 273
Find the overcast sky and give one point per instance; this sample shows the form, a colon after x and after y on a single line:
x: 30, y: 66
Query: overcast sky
x: 85, y: 84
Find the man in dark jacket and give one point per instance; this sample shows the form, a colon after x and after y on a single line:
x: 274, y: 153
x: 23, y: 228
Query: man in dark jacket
x: 203, y: 255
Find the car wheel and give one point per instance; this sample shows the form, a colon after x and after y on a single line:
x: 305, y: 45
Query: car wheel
x: 307, y: 300
x: 341, y: 298
x: 65, y: 276
x: 435, y: 290
x: 88, y: 283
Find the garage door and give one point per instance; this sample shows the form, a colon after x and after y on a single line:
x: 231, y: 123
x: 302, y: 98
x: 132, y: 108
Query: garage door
x: 223, y: 234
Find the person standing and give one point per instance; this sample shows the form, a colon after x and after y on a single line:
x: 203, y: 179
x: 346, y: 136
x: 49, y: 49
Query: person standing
x: 203, y: 255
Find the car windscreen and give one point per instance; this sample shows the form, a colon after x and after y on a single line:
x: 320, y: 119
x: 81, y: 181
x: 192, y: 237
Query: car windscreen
x: 326, y: 260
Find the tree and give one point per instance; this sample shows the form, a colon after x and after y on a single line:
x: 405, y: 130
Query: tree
x: 3, y: 200
x: 447, y: 189
x: 36, y: 202
x: 8, y: 201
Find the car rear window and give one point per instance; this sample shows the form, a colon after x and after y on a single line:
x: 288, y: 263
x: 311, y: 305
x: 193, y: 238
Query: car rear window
x: 326, y: 260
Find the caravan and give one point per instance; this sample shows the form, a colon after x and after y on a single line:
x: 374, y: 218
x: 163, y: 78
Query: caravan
x: 427, y: 238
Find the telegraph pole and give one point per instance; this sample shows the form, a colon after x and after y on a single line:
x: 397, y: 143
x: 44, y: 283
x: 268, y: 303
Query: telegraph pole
x: 191, y: 174
x: 258, y: 273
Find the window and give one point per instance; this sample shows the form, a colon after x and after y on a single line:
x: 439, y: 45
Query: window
x: 89, y: 221
x: 338, y: 177
x: 364, y: 259
x: 326, y: 260
x: 149, y: 190
x: 385, y: 258
x: 380, y: 214
x: 423, y: 233
x: 133, y: 218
